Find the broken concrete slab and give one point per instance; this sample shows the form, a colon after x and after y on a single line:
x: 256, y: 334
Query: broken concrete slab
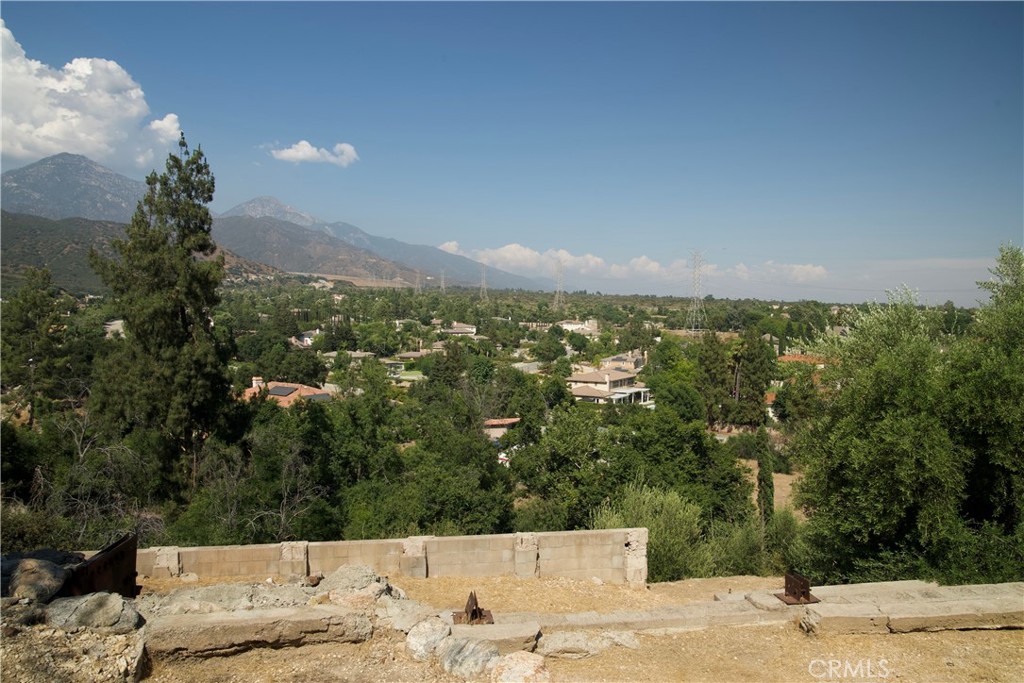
x: 507, y: 637
x: 869, y: 592
x: 227, y: 633
x: 768, y: 602
x: 999, y: 612
x: 834, y: 618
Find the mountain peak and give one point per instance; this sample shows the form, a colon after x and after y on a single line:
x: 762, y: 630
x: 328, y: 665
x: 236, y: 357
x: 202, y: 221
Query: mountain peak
x: 271, y: 207
x: 71, y: 186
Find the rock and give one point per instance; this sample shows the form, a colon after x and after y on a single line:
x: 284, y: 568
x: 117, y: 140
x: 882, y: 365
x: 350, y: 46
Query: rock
x: 401, y: 614
x: 425, y: 637
x: 362, y: 598
x: 107, y: 612
x: 626, y: 639
x: 192, y: 607
x: 520, y: 667
x: 349, y: 578
x: 189, y: 577
x: 37, y: 580
x: 467, y: 657
x: 228, y: 633
x: 16, y: 614
x: 572, y: 644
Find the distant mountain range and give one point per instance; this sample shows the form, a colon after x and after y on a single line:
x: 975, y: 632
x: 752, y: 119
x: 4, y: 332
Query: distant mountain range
x: 66, y: 186
x: 295, y: 249
x: 63, y: 247
x: 417, y: 257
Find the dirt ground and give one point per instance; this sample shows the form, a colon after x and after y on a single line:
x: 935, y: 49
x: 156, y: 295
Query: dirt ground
x: 770, y: 653
x: 783, y: 486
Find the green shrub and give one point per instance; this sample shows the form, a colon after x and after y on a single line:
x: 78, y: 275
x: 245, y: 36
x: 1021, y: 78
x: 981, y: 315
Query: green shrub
x: 675, y: 545
x: 23, y: 529
x: 739, y: 548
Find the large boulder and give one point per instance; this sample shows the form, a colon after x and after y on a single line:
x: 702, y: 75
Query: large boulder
x: 108, y: 612
x: 349, y: 578
x: 425, y: 637
x: 37, y: 579
x: 467, y: 657
x: 520, y: 667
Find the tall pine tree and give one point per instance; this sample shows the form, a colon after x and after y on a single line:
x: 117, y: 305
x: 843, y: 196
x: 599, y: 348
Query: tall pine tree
x: 167, y: 382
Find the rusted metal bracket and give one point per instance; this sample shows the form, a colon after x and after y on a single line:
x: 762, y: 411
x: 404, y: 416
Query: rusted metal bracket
x: 111, y: 570
x: 473, y: 614
x: 798, y: 591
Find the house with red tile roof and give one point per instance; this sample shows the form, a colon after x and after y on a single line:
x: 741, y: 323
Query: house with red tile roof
x: 284, y: 393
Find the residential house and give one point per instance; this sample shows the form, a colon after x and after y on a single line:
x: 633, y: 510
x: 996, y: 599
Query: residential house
x: 496, y: 428
x: 284, y: 393
x: 305, y: 339
x: 588, y: 328
x: 631, y: 361
x: 608, y: 386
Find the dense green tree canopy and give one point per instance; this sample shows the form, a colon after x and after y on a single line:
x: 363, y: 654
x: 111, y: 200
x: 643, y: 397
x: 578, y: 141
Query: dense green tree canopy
x: 169, y: 375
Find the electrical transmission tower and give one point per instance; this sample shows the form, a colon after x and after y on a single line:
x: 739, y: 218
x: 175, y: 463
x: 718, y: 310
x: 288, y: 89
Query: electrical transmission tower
x: 443, y: 288
x: 559, y: 302
x: 696, y: 318
x: 419, y: 283
x: 483, y: 282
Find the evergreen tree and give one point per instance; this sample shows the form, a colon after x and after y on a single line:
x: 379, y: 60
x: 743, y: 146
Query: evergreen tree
x: 713, y: 376
x: 753, y: 369
x: 168, y: 378
x: 32, y: 335
x: 765, y: 480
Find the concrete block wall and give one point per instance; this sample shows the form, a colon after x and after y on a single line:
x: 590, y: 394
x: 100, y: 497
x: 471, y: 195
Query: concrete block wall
x: 384, y: 556
x: 471, y: 555
x: 613, y: 555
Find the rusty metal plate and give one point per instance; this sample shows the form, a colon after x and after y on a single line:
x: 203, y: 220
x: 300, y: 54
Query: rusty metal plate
x: 798, y: 591
x: 111, y: 570
x: 473, y: 614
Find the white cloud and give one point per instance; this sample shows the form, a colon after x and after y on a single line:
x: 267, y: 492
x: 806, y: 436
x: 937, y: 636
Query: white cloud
x: 524, y: 260
x: 770, y: 271
x: 342, y: 154
x: 89, y: 106
x: 451, y: 247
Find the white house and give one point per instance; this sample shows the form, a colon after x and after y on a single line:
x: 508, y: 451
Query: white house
x: 608, y: 386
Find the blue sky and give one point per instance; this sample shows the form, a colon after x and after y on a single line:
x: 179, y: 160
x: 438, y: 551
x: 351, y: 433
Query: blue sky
x: 808, y: 150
